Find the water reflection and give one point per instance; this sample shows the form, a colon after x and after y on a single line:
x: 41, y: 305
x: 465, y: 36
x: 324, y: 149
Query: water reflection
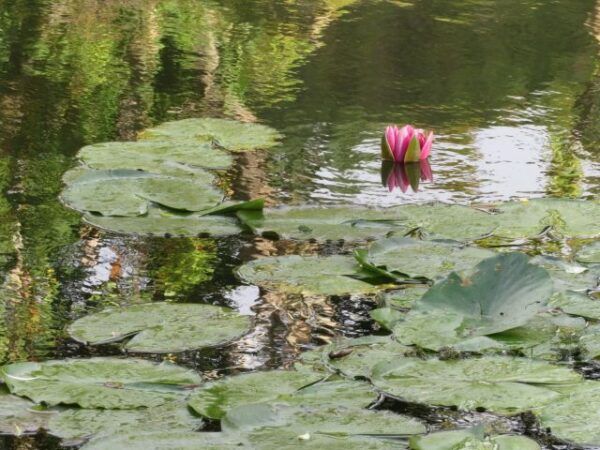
x: 401, y: 176
x: 511, y: 89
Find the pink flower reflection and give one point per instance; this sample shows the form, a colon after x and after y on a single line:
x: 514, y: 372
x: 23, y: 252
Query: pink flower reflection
x: 401, y: 176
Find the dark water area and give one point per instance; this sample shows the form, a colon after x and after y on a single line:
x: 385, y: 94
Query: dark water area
x: 510, y: 87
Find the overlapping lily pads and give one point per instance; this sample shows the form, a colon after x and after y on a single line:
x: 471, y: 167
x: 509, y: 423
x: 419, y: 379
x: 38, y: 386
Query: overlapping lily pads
x: 162, y: 327
x: 109, y: 383
x: 503, y: 385
x: 21, y: 416
x: 471, y: 439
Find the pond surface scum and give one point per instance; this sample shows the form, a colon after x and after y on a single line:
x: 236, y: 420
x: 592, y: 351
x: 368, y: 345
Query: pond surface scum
x: 347, y: 311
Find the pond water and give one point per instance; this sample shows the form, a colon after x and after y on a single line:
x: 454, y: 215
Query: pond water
x: 510, y: 87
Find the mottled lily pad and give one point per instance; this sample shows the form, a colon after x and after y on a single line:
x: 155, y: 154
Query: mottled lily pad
x: 321, y: 223
x: 170, y: 440
x: 109, y: 383
x: 308, y: 275
x: 503, y: 385
x: 577, y: 304
x: 281, y: 426
x: 471, y: 439
x: 159, y: 223
x: 20, y: 416
x: 575, y: 415
x: 75, y: 424
x: 409, y: 258
x: 214, y: 399
x: 163, y: 157
x: 162, y: 327
x: 130, y: 193
x: 503, y: 293
x: 229, y: 134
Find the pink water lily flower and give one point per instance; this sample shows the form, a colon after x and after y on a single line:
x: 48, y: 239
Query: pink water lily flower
x: 406, y: 144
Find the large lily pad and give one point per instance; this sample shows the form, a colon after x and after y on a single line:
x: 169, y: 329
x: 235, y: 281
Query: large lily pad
x: 503, y: 293
x: 109, y: 383
x: 501, y: 384
x: 575, y: 415
x: 171, y: 440
x: 471, y: 439
x: 282, y: 426
x: 229, y: 134
x: 75, y: 424
x: 124, y: 192
x: 20, y: 416
x: 162, y: 327
x: 214, y: 399
x: 333, y: 223
x: 354, y: 357
x: 163, y: 157
x: 409, y: 258
x: 308, y: 275
x: 159, y: 222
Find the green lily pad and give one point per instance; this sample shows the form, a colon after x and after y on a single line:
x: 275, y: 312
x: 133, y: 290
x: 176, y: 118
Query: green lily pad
x: 354, y: 357
x: 229, y: 134
x: 162, y: 157
x: 340, y: 392
x: 503, y: 385
x: 161, y: 440
x: 589, y: 254
x: 568, y: 275
x: 332, y: 223
x: 20, y: 416
x: 129, y: 193
x: 75, y: 424
x: 159, y: 223
x: 410, y: 258
x: 309, y: 275
x: 214, y: 399
x: 504, y: 293
x: 575, y: 415
x: 109, y: 383
x: 590, y: 342
x: 577, y: 304
x: 161, y: 327
x: 471, y: 439
x: 286, y: 439
x: 328, y: 419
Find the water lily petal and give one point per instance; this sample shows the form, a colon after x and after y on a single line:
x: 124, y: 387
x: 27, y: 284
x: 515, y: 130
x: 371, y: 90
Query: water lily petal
x: 426, y: 147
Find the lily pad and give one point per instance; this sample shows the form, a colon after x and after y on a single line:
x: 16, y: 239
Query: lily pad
x: 575, y: 415
x: 229, y: 134
x: 20, y: 416
x: 471, y: 439
x: 75, y: 424
x: 129, y: 193
x: 355, y: 357
x: 309, y: 275
x: 172, y: 440
x: 162, y: 157
x: 503, y: 385
x: 214, y: 399
x: 162, y: 327
x: 332, y: 223
x: 589, y: 254
x: 409, y: 258
x: 328, y: 419
x: 159, y: 222
x: 286, y: 439
x: 577, y: 304
x: 109, y: 383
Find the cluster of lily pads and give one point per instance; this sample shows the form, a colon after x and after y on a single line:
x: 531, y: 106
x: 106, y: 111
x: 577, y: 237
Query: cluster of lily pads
x: 471, y: 323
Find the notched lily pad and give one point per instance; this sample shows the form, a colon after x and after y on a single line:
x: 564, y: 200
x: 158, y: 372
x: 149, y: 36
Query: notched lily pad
x: 162, y: 327
x: 131, y: 192
x: 109, y: 383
